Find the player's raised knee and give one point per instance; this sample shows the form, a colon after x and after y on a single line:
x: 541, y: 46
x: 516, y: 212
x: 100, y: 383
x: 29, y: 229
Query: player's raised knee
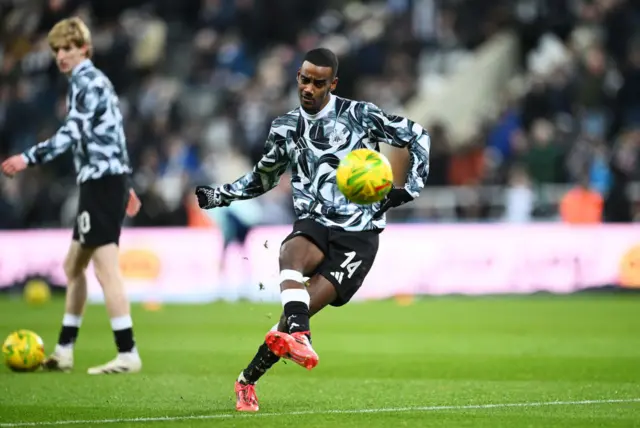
x: 300, y: 254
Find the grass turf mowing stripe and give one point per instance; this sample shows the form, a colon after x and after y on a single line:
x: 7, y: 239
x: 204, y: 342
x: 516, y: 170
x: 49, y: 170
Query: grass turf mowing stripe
x: 316, y: 412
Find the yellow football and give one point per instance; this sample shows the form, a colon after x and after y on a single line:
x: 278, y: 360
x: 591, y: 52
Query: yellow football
x: 364, y: 176
x: 23, y: 351
x: 37, y: 292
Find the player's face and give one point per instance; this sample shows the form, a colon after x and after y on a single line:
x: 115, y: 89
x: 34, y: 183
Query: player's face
x: 314, y: 86
x: 68, y: 57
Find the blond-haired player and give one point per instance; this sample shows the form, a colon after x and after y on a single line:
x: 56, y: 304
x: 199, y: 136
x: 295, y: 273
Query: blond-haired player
x: 94, y: 131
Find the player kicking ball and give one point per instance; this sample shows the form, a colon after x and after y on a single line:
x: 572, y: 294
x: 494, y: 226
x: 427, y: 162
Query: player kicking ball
x: 94, y: 131
x: 334, y: 241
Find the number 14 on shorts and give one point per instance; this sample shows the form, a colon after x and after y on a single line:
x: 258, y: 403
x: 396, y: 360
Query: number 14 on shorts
x: 349, y: 265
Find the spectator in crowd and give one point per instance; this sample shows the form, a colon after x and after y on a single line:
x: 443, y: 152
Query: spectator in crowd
x: 582, y: 204
x: 200, y: 81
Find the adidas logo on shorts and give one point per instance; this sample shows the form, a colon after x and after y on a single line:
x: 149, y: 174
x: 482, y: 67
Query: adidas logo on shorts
x: 338, y: 276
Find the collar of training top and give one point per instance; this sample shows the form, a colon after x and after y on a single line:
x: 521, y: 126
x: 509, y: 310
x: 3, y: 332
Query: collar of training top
x: 82, y: 66
x: 322, y: 113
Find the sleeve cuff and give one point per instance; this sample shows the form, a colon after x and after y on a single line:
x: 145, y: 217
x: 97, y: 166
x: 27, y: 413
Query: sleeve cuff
x: 414, y: 194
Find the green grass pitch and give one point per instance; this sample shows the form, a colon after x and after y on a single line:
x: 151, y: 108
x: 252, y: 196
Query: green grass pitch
x: 534, y: 361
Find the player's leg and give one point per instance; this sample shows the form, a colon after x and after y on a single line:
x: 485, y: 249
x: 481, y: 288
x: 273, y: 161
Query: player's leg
x: 349, y: 258
x: 107, y: 270
x: 296, y: 346
x: 321, y: 293
x: 103, y: 203
x: 301, y: 254
x: 298, y: 256
x: 75, y: 265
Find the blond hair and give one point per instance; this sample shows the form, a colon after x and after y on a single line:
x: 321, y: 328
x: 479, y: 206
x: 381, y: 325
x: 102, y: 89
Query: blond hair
x: 70, y: 31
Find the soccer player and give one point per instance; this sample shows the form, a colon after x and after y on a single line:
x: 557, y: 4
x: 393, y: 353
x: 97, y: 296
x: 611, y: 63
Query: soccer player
x: 334, y: 241
x: 94, y: 131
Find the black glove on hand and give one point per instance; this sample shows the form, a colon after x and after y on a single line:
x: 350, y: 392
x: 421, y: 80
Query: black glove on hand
x: 394, y: 198
x: 208, y: 197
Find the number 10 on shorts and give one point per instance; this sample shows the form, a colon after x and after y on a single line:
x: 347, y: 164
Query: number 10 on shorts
x: 84, y: 224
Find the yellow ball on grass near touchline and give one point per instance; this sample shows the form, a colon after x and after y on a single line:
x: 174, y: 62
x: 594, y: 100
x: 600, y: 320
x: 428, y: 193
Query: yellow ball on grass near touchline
x: 364, y: 176
x: 23, y: 351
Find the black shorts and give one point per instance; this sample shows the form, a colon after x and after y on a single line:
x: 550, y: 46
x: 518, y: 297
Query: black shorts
x: 348, y: 256
x: 101, y: 211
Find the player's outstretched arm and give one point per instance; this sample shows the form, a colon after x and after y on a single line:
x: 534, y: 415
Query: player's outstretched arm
x: 264, y: 176
x: 78, y: 120
x: 401, y: 132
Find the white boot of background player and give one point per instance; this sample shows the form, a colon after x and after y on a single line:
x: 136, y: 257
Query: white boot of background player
x: 61, y: 359
x: 125, y: 362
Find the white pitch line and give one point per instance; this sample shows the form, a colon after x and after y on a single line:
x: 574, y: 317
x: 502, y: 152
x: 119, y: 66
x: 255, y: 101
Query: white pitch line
x: 318, y: 412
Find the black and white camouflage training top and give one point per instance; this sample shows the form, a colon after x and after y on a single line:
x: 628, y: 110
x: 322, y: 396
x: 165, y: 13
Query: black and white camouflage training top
x: 311, y: 146
x: 93, y: 128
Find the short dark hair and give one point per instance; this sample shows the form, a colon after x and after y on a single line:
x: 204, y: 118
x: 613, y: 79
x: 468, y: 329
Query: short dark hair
x: 323, y: 57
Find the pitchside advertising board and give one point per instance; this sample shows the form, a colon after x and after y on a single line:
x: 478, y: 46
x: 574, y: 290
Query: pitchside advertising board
x: 188, y: 265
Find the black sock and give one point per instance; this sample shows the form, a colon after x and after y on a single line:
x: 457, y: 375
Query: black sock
x: 263, y: 361
x: 297, y: 315
x: 124, y: 339
x: 68, y: 335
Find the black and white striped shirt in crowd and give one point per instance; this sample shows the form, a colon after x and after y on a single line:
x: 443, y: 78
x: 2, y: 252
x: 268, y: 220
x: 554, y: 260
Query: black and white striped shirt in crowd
x: 93, y: 128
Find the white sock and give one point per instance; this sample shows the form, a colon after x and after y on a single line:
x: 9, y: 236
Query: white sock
x: 295, y: 295
x: 121, y: 323
x: 71, y: 320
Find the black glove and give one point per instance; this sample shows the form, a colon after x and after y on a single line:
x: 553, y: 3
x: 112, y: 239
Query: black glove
x: 208, y: 197
x: 394, y: 198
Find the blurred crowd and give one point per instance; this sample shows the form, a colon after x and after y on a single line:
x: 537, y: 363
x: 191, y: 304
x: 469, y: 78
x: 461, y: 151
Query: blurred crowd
x: 572, y: 118
x: 200, y: 81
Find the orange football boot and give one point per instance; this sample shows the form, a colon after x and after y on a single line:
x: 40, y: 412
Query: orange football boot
x: 295, y: 347
x: 247, y: 400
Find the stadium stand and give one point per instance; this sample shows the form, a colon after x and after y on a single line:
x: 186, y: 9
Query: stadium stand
x: 200, y: 81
